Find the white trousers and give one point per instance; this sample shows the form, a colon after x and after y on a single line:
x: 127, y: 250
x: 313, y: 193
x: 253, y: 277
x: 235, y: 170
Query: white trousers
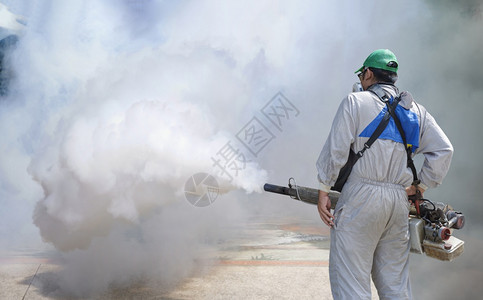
x: 370, y: 237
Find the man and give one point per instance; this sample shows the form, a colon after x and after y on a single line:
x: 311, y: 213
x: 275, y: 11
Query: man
x: 369, y: 227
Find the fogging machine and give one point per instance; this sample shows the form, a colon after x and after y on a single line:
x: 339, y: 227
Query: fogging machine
x: 431, y: 224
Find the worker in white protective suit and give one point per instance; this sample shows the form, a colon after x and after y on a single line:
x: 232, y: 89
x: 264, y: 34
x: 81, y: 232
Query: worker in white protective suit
x: 369, y: 226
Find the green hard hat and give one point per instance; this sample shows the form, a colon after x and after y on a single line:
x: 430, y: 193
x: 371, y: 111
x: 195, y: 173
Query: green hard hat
x: 381, y: 59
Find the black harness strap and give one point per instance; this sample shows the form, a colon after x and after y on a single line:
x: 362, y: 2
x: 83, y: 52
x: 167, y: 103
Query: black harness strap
x: 382, y: 125
x: 391, y: 109
x: 410, y: 164
x: 353, y: 157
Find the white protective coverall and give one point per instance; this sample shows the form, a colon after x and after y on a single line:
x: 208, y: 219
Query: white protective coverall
x: 371, y: 235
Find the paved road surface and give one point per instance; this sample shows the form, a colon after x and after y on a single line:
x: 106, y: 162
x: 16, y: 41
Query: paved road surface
x: 270, y: 260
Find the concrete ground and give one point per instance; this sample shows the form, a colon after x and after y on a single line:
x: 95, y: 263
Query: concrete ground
x: 270, y: 260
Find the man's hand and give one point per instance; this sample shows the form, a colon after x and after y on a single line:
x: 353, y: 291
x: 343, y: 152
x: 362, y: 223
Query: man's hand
x: 324, y: 209
x: 411, y: 190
